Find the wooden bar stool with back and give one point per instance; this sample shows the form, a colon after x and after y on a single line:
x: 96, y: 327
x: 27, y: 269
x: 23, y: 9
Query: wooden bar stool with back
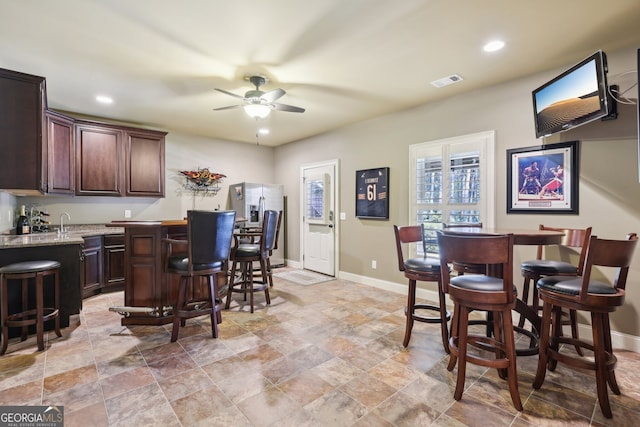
x: 597, y: 297
x: 481, y: 292
x: 421, y: 268
x: 574, y: 239
x: 245, y: 252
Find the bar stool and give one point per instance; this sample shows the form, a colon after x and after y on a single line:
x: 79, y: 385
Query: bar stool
x: 592, y: 295
x: 245, y: 254
x: 24, y: 271
x: 484, y: 293
x: 208, y: 246
x: 532, y: 270
x: 426, y: 269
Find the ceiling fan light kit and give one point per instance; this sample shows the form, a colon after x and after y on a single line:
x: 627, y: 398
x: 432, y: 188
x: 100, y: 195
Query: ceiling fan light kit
x: 257, y: 111
x: 258, y: 104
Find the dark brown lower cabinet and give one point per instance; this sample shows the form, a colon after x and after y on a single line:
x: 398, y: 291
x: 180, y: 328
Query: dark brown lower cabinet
x: 102, y: 264
x: 113, y: 263
x: 91, y: 278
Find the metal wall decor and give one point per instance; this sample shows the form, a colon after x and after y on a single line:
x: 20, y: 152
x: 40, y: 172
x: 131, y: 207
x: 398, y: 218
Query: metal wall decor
x: 202, y: 181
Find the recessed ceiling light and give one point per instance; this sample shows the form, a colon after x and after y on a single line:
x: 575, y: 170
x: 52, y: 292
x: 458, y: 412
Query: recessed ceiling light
x: 103, y: 99
x: 263, y: 131
x: 493, y: 46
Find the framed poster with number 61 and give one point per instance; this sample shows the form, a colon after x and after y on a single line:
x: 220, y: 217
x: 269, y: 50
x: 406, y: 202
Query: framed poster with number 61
x: 372, y: 193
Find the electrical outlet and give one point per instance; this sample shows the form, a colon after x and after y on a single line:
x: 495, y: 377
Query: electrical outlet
x: 374, y: 264
x: 127, y: 213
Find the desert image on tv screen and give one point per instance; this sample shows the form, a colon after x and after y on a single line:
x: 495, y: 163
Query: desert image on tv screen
x: 570, y: 98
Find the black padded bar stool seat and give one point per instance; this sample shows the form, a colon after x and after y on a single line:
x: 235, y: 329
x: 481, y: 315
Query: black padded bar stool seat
x: 425, y: 265
x: 181, y: 263
x: 24, y: 271
x: 429, y: 270
x: 480, y: 283
x: 545, y: 267
x: 568, y: 286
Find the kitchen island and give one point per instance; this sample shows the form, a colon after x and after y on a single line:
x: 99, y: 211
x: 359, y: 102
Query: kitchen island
x: 149, y: 292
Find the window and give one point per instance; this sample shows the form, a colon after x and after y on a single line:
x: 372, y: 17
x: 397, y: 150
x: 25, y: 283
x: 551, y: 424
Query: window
x: 452, y: 181
x: 316, y: 203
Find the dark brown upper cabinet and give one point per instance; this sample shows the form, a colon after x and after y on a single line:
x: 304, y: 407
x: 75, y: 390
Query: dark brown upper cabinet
x: 145, y: 162
x: 45, y: 151
x: 114, y: 160
x: 23, y: 164
x: 99, y: 160
x: 62, y: 156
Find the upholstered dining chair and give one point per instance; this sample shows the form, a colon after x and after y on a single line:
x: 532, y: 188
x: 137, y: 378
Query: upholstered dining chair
x: 471, y: 292
x: 209, y: 236
x: 574, y: 240
x: 243, y: 255
x: 421, y: 268
x: 586, y: 293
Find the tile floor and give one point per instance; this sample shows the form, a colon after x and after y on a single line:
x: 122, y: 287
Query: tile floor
x: 323, y: 355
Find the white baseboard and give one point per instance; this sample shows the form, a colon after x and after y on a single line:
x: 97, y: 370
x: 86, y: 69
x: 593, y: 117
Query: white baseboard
x: 294, y: 264
x: 618, y: 339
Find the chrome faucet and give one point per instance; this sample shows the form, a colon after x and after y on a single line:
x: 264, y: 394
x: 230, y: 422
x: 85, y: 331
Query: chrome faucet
x: 62, y: 230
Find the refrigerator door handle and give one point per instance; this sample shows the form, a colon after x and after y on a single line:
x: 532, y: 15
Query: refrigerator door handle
x: 261, y: 209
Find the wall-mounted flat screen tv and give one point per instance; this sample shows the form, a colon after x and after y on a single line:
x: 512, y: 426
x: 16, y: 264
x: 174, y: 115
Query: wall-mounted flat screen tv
x: 575, y: 97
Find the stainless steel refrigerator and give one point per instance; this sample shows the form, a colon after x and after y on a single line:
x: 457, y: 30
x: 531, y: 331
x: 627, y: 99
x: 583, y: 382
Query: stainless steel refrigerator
x: 250, y: 200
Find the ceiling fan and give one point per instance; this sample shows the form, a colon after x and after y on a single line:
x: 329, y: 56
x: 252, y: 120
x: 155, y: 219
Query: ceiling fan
x: 258, y: 104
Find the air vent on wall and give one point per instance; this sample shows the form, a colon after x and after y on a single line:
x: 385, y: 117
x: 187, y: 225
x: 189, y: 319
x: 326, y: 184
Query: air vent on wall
x: 446, y: 81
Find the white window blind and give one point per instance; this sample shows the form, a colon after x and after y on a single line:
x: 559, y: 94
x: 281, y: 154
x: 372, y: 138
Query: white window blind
x: 452, y: 181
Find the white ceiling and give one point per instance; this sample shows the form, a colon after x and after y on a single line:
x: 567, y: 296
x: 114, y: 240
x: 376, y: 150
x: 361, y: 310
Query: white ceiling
x: 343, y: 60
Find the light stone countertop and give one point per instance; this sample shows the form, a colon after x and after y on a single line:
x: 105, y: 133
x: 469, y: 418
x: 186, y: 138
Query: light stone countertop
x: 74, y: 235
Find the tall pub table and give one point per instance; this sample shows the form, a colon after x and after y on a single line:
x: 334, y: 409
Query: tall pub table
x: 520, y: 237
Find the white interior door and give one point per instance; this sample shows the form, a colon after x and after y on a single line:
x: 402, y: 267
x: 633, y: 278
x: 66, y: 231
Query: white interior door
x: 318, y: 213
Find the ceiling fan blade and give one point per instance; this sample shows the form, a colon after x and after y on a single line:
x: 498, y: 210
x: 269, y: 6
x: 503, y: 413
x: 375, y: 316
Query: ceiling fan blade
x: 230, y: 107
x: 289, y: 108
x: 273, y: 95
x: 230, y: 93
